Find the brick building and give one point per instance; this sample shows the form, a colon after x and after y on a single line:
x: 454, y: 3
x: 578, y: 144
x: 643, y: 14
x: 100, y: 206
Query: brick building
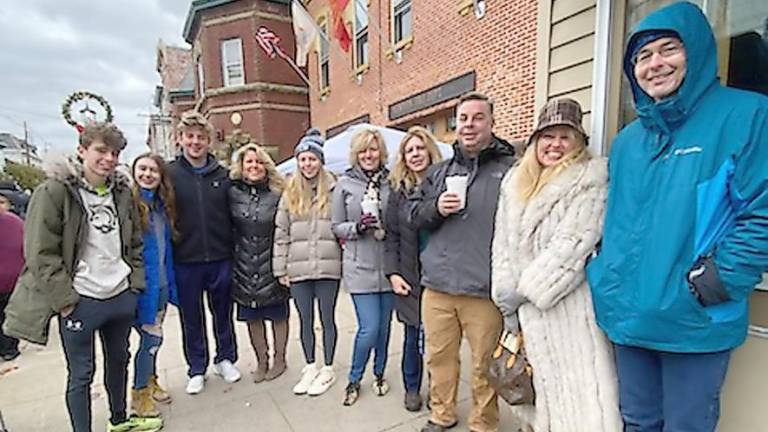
x: 173, y: 96
x: 237, y: 86
x: 409, y: 61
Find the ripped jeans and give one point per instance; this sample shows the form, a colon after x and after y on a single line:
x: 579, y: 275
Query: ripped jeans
x: 151, y: 337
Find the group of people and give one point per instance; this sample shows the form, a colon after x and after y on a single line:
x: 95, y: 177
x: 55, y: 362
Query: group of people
x: 628, y: 279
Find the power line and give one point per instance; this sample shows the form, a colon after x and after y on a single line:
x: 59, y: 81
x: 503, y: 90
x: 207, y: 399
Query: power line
x: 50, y: 116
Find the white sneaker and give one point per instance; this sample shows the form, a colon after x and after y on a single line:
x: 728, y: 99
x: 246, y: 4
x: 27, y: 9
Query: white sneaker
x: 227, y: 370
x: 308, y: 375
x: 323, y: 382
x: 195, y: 384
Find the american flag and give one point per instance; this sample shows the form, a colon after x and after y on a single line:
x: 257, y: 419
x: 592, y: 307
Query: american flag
x: 268, y: 41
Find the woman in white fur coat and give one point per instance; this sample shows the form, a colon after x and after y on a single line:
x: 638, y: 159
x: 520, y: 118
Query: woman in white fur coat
x: 548, y: 222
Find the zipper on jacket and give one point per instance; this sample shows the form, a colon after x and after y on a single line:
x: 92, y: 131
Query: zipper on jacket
x: 204, y: 228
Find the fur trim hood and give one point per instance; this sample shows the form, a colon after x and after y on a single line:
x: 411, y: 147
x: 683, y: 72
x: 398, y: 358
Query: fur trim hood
x: 69, y: 171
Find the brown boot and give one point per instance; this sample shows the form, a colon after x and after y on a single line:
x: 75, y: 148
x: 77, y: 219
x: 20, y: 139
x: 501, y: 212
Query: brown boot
x: 257, y: 332
x: 158, y: 393
x: 142, y: 403
x: 280, y: 329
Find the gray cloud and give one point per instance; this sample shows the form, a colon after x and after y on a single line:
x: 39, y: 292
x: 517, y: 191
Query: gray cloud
x: 50, y: 48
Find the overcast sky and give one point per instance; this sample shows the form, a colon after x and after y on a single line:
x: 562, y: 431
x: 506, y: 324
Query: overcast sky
x: 51, y: 48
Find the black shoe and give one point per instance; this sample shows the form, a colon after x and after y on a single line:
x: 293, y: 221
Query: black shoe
x: 434, y: 427
x: 412, y: 401
x: 11, y: 355
x: 352, y: 393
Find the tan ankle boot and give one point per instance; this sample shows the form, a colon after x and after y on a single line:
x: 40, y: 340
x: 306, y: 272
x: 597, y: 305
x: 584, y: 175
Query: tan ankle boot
x: 158, y: 393
x: 142, y: 403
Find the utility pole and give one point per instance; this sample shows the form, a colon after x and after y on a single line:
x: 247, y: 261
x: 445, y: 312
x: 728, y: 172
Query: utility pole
x: 26, y: 142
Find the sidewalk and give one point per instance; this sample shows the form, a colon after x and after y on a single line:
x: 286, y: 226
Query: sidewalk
x: 32, y: 390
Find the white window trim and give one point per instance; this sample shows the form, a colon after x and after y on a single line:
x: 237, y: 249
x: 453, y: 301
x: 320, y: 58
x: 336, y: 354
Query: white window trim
x: 200, y: 76
x: 227, y: 63
x: 601, y: 76
x: 358, y: 65
x: 324, y: 26
x: 393, y: 4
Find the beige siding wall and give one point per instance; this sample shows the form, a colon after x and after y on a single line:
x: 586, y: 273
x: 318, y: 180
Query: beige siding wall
x: 566, y: 51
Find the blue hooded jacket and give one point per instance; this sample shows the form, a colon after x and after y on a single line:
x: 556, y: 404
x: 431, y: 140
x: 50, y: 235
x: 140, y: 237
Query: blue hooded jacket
x: 149, y: 299
x: 688, y: 178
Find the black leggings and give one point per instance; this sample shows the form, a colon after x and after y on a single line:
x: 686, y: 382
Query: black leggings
x: 304, y: 293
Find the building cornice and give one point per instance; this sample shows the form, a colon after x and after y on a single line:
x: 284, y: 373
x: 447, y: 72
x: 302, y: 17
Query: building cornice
x: 258, y: 106
x: 198, y: 6
x: 257, y: 86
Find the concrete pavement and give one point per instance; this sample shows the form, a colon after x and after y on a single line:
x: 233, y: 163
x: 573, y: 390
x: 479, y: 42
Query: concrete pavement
x: 32, y: 390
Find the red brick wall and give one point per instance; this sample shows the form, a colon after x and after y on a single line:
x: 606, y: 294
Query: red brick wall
x: 267, y: 125
x: 500, y: 48
x: 176, y: 60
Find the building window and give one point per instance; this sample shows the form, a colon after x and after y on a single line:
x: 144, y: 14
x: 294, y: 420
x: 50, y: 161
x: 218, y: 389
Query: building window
x: 324, y: 63
x: 232, y: 62
x: 361, y: 33
x: 478, y: 7
x: 741, y: 34
x: 402, y: 19
x: 452, y: 122
x: 200, y: 76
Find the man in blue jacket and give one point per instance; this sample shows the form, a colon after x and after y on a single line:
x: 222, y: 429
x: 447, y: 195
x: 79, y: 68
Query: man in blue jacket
x: 686, y: 228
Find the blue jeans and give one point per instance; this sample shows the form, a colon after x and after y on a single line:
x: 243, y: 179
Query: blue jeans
x: 670, y: 392
x: 412, y: 363
x: 374, y: 319
x: 150, y: 339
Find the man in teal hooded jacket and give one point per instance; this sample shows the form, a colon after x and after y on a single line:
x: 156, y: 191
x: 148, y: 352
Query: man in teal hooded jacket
x: 686, y: 229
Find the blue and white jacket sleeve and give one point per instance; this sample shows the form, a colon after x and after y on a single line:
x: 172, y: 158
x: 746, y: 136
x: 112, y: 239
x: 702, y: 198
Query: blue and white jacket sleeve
x: 742, y: 256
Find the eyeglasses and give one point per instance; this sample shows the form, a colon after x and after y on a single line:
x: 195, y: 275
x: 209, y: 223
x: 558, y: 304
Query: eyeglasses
x: 667, y: 50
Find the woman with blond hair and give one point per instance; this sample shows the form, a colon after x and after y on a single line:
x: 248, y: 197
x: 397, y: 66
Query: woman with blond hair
x: 548, y: 222
x: 359, y: 201
x: 307, y: 258
x: 418, y: 151
x: 253, y: 198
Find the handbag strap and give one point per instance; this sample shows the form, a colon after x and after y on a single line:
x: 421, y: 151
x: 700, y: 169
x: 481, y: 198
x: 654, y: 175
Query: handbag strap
x: 511, y: 341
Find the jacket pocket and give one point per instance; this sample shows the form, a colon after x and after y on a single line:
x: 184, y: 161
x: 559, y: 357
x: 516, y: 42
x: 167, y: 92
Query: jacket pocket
x: 350, y: 253
x: 28, y: 315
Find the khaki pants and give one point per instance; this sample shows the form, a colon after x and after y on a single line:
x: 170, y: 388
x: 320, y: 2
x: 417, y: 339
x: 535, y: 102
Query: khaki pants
x: 446, y: 318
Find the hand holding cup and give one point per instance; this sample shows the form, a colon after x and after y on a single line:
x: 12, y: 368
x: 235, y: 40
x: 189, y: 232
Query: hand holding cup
x: 448, y: 203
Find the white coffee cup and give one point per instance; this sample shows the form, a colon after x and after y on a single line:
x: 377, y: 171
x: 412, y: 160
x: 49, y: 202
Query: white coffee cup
x: 457, y: 184
x: 370, y: 207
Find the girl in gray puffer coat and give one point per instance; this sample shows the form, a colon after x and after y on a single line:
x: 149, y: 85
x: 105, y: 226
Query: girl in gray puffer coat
x: 308, y: 258
x: 253, y: 199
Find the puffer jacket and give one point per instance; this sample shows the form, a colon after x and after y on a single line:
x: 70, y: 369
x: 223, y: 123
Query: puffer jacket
x: 305, y: 247
x: 253, y: 208
x: 363, y: 255
x: 56, y: 227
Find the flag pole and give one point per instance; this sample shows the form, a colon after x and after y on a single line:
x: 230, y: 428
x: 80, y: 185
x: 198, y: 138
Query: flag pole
x: 332, y: 47
x: 291, y: 63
